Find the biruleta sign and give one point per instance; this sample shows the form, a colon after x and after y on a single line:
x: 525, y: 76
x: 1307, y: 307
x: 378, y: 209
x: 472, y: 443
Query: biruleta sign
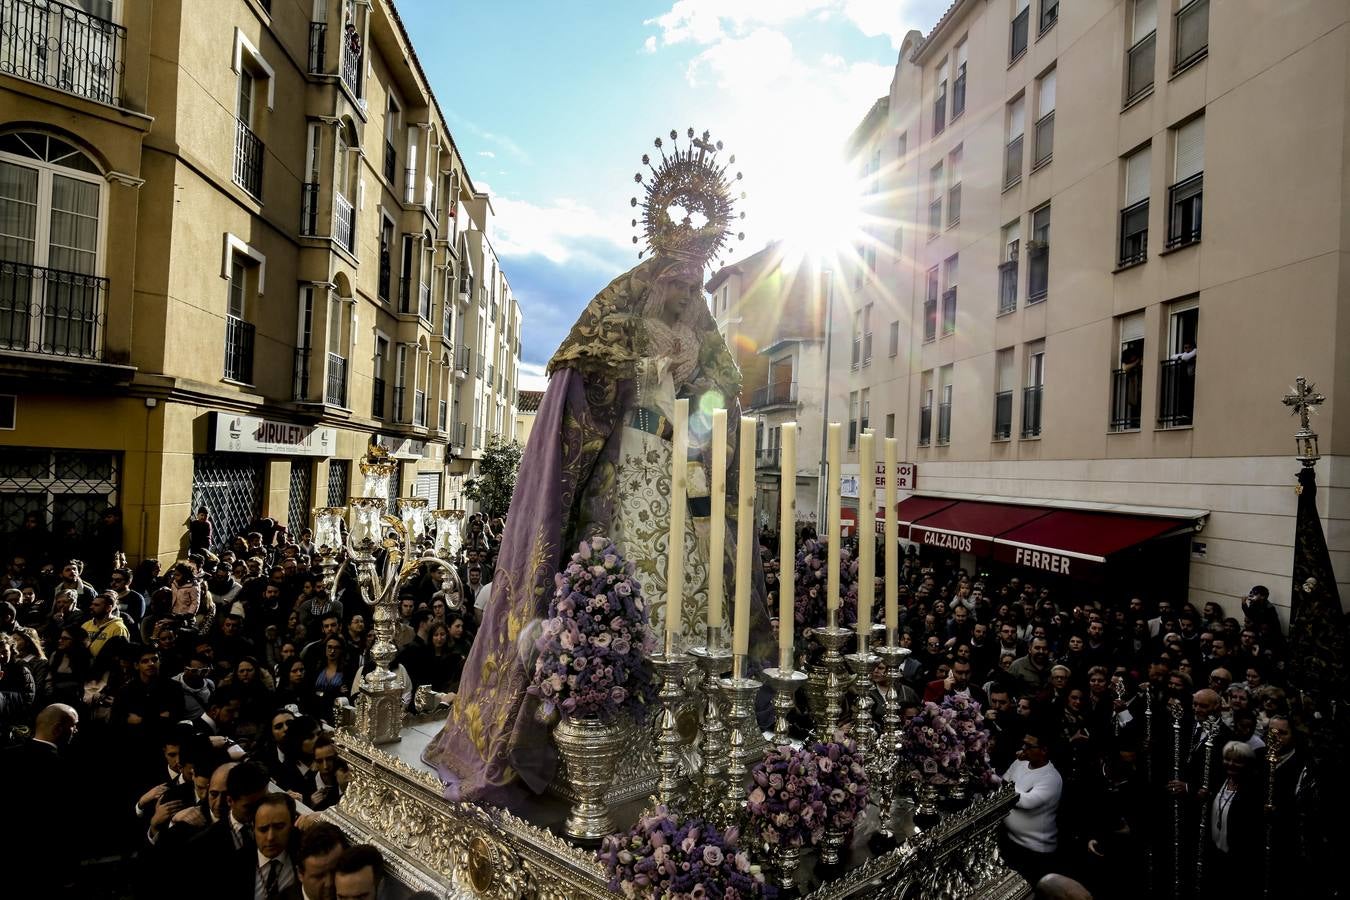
x: 249, y: 434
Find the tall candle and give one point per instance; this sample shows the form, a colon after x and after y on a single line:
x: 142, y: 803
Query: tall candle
x: 867, y: 533
x: 679, y: 466
x: 834, y: 515
x: 892, y: 544
x: 787, y: 544
x: 745, y: 538
x: 717, y: 534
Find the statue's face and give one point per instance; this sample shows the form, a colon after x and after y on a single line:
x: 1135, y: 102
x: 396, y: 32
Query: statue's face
x: 677, y: 273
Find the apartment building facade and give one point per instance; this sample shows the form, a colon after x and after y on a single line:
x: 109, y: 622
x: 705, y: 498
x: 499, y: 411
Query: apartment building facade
x: 240, y: 247
x: 1104, y: 238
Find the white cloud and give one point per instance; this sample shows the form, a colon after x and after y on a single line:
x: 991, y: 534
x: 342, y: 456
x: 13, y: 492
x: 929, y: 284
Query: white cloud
x: 649, y: 45
x: 563, y: 231
x: 709, y: 21
x: 487, y: 153
x: 531, y: 377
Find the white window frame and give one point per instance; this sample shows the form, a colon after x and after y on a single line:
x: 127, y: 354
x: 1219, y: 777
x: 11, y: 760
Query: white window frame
x: 242, y: 45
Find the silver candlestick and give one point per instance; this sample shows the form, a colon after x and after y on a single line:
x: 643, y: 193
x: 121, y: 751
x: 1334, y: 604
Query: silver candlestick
x: 832, y: 639
x: 740, y: 699
x: 671, y: 668
x: 713, y: 660
x: 861, y: 665
x: 888, y: 747
x: 785, y: 683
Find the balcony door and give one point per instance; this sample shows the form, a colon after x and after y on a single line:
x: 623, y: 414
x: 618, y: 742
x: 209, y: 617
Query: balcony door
x: 51, y: 205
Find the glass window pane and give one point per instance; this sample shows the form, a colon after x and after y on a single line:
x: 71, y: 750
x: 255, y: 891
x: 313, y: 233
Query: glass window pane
x: 17, y: 464
x: 84, y: 466
x: 18, y: 212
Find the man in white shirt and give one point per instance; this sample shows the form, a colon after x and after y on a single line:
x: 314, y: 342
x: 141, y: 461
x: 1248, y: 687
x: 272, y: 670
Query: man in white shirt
x: 1030, y: 833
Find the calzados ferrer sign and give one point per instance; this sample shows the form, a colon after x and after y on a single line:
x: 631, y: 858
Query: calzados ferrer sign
x: 249, y: 434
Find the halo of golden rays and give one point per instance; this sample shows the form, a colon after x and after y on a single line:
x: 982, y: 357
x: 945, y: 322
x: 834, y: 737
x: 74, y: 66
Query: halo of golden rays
x: 687, y: 210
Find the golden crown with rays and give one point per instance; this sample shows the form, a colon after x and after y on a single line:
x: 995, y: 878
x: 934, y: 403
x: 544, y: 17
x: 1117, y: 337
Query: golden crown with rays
x: 687, y: 207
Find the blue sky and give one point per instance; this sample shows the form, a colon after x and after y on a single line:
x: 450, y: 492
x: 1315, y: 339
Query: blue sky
x: 553, y: 103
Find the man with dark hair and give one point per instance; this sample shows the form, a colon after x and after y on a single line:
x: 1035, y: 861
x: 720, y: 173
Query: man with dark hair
x: 956, y: 684
x: 1030, y: 833
x: 320, y: 847
x: 323, y: 787
x: 312, y: 654
x: 358, y: 873
x: 130, y: 603
x: 269, y: 872
x: 245, y: 787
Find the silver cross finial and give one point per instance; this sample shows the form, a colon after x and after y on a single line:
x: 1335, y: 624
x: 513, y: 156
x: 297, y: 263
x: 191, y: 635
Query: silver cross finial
x: 1302, y: 400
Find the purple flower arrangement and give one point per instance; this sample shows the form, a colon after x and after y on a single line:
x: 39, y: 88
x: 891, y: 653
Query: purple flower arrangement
x: 595, y: 643
x: 691, y: 860
x: 843, y: 779
x: 787, y: 802
x: 812, y: 585
x: 943, y: 744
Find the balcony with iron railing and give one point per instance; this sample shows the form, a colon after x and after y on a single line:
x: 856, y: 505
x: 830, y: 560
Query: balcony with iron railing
x: 1126, y: 394
x: 377, y: 398
x: 318, y: 48
x: 779, y: 393
x: 344, y: 223
x: 459, y: 436
x: 335, y: 393
x: 1007, y: 287
x: 1031, y: 410
x: 463, y: 357
x: 409, y: 185
x: 465, y: 288
x: 1176, y: 393
x: 63, y: 47
x: 1045, y: 140
x: 309, y: 209
x: 238, y: 350
x: 51, y: 312
x: 424, y: 300
x: 300, y: 386
x: 399, y: 393
x: 1139, y: 67
x: 351, y: 60
x: 768, y: 457
x: 1185, y: 204
x: 949, y: 311
x: 925, y: 425
x: 944, y: 426
x: 1012, y: 162
x: 420, y: 408
x: 1003, y: 410
x: 248, y: 159
x: 385, y: 275
x: 1133, y: 234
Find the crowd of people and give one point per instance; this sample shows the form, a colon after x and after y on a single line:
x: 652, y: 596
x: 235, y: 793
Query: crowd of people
x: 173, y: 728
x: 1154, y: 744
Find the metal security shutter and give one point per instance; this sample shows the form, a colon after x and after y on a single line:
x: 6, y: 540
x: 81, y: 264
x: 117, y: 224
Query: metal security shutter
x: 61, y: 486
x: 1190, y: 149
x: 429, y: 486
x: 230, y: 487
x: 339, y: 476
x: 1136, y: 176
x: 302, y: 490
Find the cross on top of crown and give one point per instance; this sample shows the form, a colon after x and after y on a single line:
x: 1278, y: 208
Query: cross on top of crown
x: 1303, y: 400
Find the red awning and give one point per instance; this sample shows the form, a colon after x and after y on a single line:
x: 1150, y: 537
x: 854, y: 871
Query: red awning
x: 969, y: 526
x: 1058, y: 542
x: 911, y: 509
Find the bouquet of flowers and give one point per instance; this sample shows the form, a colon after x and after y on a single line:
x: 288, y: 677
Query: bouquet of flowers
x: 812, y: 581
x: 691, y: 860
x: 594, y: 646
x: 843, y: 779
x: 787, y: 803
x: 932, y: 747
x: 973, y: 731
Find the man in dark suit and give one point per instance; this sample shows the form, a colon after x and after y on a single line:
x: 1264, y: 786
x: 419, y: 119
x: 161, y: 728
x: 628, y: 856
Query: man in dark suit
x: 957, y: 683
x: 215, y: 848
x: 42, y: 789
x: 266, y: 869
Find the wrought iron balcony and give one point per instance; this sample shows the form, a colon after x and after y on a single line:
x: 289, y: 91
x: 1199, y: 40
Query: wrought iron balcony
x: 344, y: 223
x: 336, y: 391
x: 1126, y: 394
x: 239, y: 350
x: 944, y: 429
x: 463, y: 357
x: 1134, y: 234
x: 774, y: 394
x: 318, y: 47
x: 309, y: 208
x: 51, y: 312
x: 62, y: 47
x: 1185, y: 203
x: 1031, y: 410
x: 248, y: 159
x: 1003, y: 404
x: 767, y: 457
x: 351, y: 59
x: 1176, y: 393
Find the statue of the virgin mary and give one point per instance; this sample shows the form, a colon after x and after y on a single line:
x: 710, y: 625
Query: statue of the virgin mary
x: 598, y: 462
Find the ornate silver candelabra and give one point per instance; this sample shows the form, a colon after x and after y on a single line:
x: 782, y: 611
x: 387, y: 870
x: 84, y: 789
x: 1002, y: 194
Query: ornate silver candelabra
x: 887, y: 777
x: 672, y: 668
x: 832, y: 639
x: 740, y: 699
x: 713, y: 660
x: 785, y: 683
x: 861, y: 664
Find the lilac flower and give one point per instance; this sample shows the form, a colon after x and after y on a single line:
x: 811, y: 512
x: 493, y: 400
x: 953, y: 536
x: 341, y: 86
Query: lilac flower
x: 663, y: 857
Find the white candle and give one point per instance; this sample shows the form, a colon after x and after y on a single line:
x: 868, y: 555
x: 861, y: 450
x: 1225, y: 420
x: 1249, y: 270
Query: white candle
x: 867, y: 533
x: 745, y: 538
x: 892, y: 544
x: 787, y: 545
x: 717, y: 533
x: 834, y: 526
x: 679, y: 465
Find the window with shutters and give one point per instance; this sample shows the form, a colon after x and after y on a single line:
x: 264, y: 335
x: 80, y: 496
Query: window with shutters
x: 930, y: 306
x: 934, y: 201
x: 1127, y: 380
x: 1004, y: 388
x: 1191, y: 33
x: 1139, y: 59
x: 1134, y: 215
x: 959, y: 85
x: 954, y: 185
x: 1045, y: 124
x: 1012, y: 151
x: 949, y: 276
x: 1007, y: 267
x: 1185, y: 198
x: 940, y: 100
x: 1018, y: 30
x: 1176, y: 376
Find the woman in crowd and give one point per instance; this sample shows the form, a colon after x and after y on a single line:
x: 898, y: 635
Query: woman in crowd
x: 28, y: 650
x: 332, y: 680
x: 69, y: 666
x: 294, y: 685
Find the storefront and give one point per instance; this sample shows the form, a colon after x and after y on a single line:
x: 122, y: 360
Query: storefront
x: 1113, y: 551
